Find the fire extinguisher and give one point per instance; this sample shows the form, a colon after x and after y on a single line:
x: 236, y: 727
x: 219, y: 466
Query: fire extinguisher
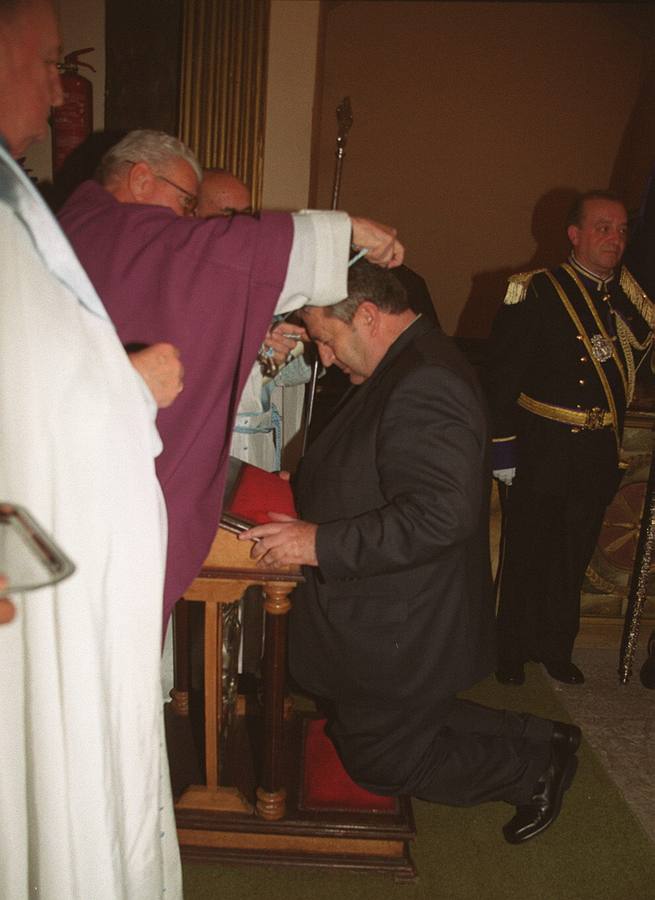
x: 72, y: 122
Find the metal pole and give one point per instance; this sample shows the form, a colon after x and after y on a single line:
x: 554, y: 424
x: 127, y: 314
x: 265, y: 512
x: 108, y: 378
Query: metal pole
x: 639, y: 580
x: 344, y: 122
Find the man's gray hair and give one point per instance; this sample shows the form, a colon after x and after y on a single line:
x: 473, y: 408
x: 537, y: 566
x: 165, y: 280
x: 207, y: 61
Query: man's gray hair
x: 369, y: 282
x: 156, y: 148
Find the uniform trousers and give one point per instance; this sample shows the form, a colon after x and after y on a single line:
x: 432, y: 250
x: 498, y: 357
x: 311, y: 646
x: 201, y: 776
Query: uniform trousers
x: 549, y: 540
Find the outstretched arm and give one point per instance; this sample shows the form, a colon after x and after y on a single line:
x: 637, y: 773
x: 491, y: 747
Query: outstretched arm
x: 317, y: 272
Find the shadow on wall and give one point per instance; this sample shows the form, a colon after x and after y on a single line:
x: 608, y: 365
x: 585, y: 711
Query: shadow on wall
x: 80, y: 165
x: 634, y: 160
x: 552, y: 247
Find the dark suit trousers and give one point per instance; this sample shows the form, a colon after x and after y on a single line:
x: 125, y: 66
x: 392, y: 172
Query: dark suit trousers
x: 455, y: 752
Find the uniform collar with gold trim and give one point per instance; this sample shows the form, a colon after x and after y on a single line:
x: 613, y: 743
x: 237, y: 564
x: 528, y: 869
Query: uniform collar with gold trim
x: 600, y: 283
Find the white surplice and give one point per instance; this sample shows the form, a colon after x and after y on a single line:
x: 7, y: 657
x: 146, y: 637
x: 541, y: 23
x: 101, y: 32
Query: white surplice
x: 85, y: 805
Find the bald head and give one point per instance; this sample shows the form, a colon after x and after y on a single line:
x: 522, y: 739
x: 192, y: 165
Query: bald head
x: 221, y: 193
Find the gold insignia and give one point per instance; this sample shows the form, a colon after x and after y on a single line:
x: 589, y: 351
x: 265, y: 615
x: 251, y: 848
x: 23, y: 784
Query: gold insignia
x: 517, y: 286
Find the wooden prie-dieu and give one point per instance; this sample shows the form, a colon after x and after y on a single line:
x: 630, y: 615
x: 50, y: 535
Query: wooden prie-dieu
x: 264, y: 800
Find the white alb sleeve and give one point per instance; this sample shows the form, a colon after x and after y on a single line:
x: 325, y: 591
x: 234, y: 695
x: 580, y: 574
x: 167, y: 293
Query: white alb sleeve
x: 318, y: 264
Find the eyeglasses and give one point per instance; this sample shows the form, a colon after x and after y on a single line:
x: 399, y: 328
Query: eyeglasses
x: 189, y: 201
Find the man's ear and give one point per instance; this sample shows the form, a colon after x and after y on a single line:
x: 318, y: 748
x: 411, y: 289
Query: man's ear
x: 572, y: 233
x: 369, y: 315
x: 141, y: 182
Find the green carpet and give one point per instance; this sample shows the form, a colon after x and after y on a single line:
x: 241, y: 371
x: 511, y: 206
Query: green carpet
x: 595, y: 850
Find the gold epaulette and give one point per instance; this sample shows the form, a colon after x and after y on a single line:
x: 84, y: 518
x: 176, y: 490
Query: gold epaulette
x: 637, y: 296
x: 517, y: 286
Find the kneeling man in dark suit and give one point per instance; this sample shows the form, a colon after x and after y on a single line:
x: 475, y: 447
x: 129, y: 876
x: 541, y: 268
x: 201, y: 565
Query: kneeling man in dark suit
x: 396, y: 613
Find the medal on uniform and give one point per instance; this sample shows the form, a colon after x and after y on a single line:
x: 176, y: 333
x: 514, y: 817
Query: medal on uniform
x: 601, y: 348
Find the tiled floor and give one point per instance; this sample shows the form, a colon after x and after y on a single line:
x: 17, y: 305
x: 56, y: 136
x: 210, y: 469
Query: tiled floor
x: 617, y: 720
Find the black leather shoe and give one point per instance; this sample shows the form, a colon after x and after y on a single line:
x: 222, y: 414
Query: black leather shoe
x: 545, y: 804
x: 511, y: 674
x: 565, y: 739
x: 566, y: 672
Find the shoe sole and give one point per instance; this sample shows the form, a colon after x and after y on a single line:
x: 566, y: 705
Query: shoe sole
x: 568, y: 775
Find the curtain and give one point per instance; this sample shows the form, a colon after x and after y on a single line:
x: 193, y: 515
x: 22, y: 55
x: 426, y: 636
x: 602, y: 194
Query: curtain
x: 223, y: 85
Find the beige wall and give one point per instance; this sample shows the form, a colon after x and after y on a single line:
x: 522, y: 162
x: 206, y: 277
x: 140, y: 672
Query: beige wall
x: 467, y: 118
x: 82, y: 25
x: 290, y: 97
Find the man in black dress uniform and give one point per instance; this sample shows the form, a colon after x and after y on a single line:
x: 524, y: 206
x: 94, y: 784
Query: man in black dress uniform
x: 563, y: 356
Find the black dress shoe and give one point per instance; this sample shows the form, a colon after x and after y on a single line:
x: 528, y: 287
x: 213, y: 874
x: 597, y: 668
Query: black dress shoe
x: 545, y: 804
x: 565, y: 739
x: 511, y: 674
x: 566, y: 672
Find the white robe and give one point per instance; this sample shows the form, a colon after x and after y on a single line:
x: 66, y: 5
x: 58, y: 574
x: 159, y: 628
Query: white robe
x: 85, y: 805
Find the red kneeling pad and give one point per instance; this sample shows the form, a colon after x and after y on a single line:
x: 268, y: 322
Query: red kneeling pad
x: 327, y: 785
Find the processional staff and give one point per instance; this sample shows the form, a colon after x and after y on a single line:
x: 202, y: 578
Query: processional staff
x: 344, y: 124
x: 639, y: 581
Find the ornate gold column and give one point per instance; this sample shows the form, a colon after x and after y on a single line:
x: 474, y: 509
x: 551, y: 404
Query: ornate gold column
x: 223, y: 85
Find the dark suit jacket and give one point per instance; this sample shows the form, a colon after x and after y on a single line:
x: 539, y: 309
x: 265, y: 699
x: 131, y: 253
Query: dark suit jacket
x: 418, y: 294
x: 400, y: 610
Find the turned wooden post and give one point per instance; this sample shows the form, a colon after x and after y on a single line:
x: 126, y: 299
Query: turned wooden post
x: 271, y: 795
x: 182, y: 659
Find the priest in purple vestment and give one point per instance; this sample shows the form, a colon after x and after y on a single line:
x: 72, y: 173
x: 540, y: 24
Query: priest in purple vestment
x: 210, y: 287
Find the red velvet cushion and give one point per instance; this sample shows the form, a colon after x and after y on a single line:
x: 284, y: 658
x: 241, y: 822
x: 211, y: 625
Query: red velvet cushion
x: 259, y: 492
x: 327, y: 785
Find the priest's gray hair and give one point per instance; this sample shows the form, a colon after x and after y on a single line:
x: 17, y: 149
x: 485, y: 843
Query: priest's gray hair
x: 156, y: 148
x: 373, y: 283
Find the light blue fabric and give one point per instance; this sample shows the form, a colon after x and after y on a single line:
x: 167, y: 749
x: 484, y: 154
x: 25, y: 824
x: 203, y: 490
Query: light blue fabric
x: 18, y: 192
x: 269, y: 419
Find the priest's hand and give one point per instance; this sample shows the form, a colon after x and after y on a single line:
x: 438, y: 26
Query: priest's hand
x: 284, y: 541
x: 281, y: 339
x: 160, y: 367
x: 379, y: 240
x: 7, y: 608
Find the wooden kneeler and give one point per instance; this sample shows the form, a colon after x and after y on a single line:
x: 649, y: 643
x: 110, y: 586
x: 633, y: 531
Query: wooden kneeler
x: 259, y: 803
x: 227, y: 572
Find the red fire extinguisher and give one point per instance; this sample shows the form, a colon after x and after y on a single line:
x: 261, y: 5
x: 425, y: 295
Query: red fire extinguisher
x: 72, y: 122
